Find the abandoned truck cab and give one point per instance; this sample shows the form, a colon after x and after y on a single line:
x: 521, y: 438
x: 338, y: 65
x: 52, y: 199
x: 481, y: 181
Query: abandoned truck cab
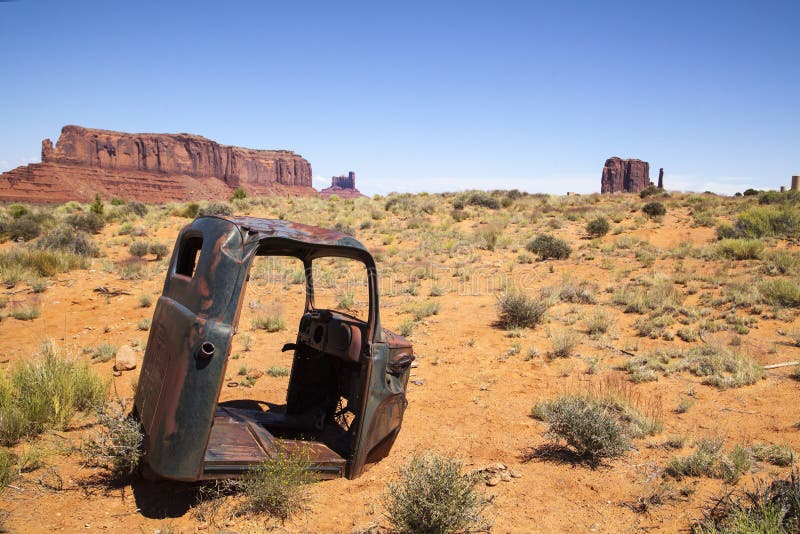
x: 346, y: 394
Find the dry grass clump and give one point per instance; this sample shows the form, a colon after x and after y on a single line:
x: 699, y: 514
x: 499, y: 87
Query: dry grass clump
x: 659, y: 296
x: 578, y: 293
x: 718, y: 366
x: 424, y: 309
x: 43, y: 263
x: 600, y: 420
x: 8, y: 462
x: 68, y: 239
x: 270, y: 323
x: 45, y: 393
x: 563, y: 343
x: 780, y: 292
x: 780, y: 455
x: 278, y: 486
x: 722, y: 368
x: 597, y: 322
x: 25, y: 311
x: 709, y: 460
x: 432, y: 496
x: 517, y: 310
x: 780, y: 262
x: 648, y: 367
x: 486, y: 236
x: 117, y: 442
x: 739, y: 249
x: 769, y: 508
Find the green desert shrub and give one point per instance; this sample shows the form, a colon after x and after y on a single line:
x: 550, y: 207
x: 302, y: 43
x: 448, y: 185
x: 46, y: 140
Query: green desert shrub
x: 159, y: 250
x: 780, y: 292
x: 277, y: 370
x: 278, y: 486
x: 136, y: 208
x: 68, y: 239
x: 239, y: 194
x: 432, y: 496
x: 650, y: 191
x: 17, y: 210
x: 190, y: 210
x: 654, y: 209
x: 269, y: 322
x: 547, y: 246
x: 90, y: 222
x: 517, y: 310
x: 216, y: 208
x: 23, y: 228
x: 769, y: 508
x: 41, y: 263
x: 406, y: 328
x: 776, y: 197
x: 45, y: 393
x: 480, y: 198
x: 97, y: 206
x: 708, y: 460
x: 739, y: 249
x: 139, y: 249
x: 598, y: 227
x: 590, y: 427
x: 102, y: 353
x: 768, y: 221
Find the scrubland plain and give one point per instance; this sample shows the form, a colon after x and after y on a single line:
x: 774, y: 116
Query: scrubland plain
x: 610, y: 351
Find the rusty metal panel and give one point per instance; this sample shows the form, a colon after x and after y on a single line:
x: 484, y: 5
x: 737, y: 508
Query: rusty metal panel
x: 177, y: 395
x: 181, y: 377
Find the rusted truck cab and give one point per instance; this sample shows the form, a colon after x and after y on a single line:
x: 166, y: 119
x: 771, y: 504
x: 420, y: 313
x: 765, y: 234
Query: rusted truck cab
x: 347, y: 387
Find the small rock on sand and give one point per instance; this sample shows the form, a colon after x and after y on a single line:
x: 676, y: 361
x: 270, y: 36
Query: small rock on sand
x: 125, y: 359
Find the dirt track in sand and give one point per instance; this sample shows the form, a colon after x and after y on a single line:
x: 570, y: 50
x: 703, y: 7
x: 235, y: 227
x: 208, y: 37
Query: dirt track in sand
x: 471, y: 396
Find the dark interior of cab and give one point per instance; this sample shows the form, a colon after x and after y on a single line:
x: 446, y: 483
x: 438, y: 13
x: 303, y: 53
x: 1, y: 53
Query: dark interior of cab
x: 319, y: 419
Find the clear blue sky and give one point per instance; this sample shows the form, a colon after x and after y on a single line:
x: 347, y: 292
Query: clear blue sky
x: 424, y: 96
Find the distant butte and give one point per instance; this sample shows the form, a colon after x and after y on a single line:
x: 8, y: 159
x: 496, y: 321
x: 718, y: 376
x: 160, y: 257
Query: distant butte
x: 151, y: 168
x: 625, y: 176
x: 342, y: 186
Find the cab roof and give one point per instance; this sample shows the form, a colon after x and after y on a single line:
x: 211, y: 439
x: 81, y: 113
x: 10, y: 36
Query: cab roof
x: 302, y: 237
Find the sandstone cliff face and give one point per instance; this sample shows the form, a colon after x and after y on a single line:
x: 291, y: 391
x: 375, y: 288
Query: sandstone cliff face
x: 625, y: 176
x: 151, y: 167
x: 342, y: 186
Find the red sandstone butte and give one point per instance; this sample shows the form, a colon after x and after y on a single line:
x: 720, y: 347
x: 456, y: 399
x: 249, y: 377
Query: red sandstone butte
x: 625, y: 176
x: 343, y: 187
x: 151, y: 168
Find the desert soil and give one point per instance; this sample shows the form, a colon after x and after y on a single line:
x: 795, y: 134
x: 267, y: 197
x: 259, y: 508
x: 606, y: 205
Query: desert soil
x: 471, y: 393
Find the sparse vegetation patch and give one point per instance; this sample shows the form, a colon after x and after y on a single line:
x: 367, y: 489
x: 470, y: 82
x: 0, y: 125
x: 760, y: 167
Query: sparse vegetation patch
x: 431, y: 495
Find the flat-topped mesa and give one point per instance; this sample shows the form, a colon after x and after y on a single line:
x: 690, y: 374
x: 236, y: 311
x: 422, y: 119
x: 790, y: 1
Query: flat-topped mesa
x: 625, y: 176
x: 152, y: 167
x: 342, y: 186
x: 191, y: 155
